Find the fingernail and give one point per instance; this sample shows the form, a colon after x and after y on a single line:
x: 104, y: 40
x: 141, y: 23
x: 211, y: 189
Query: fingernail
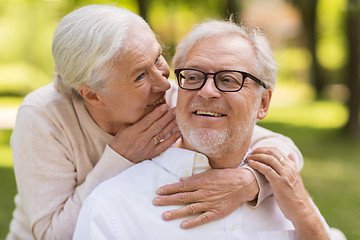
x: 159, y: 191
x: 178, y: 134
x: 164, y: 108
x: 184, y: 224
x: 167, y: 215
x: 156, y: 201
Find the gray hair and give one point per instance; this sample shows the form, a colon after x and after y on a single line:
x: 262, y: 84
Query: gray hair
x: 85, y: 43
x: 265, y: 66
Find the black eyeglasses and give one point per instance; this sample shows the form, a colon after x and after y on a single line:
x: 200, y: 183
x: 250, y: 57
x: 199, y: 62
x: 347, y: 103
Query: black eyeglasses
x: 225, y: 81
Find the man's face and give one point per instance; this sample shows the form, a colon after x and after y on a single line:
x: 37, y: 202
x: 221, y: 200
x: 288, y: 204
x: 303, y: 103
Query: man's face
x: 138, y: 80
x: 212, y: 121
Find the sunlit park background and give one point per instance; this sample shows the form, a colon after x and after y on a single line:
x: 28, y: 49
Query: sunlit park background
x: 315, y: 102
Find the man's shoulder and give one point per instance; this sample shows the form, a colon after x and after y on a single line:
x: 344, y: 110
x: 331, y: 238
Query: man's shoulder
x: 130, y: 180
x: 144, y: 177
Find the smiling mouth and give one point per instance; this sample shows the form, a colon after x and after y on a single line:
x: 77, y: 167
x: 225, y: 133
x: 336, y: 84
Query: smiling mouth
x: 158, y: 102
x: 208, y: 113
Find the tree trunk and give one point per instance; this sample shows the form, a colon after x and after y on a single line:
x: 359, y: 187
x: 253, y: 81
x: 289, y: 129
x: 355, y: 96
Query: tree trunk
x: 143, y: 9
x: 233, y: 9
x: 308, y: 10
x: 353, y: 124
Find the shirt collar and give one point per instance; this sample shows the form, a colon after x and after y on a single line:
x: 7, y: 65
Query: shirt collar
x: 184, y: 162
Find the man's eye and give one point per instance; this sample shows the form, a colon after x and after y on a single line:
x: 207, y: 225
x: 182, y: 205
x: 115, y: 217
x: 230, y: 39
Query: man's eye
x: 193, y: 78
x: 227, y: 80
x: 140, y: 77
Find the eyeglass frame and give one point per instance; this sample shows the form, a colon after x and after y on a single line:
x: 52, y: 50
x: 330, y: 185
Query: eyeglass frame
x: 244, y: 74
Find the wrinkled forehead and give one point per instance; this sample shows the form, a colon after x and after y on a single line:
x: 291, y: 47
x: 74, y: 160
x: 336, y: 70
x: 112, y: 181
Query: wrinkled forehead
x: 224, y: 51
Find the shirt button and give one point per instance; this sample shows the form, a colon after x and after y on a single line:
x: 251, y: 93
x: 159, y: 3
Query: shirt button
x: 233, y: 228
x: 186, y: 174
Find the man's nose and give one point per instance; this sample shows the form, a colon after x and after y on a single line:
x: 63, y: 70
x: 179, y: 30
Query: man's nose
x: 209, y: 90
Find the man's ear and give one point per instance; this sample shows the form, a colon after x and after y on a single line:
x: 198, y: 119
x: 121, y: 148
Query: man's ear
x: 264, y: 104
x: 91, y: 96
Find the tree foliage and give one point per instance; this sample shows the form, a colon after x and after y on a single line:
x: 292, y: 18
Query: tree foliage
x: 328, y: 37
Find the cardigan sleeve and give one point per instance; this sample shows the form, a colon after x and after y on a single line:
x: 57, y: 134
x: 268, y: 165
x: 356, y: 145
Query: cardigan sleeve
x: 50, y: 196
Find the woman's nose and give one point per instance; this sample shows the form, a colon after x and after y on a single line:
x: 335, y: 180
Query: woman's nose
x: 160, y: 80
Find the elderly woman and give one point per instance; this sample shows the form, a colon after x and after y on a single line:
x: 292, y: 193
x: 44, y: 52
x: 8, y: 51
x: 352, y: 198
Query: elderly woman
x: 106, y: 111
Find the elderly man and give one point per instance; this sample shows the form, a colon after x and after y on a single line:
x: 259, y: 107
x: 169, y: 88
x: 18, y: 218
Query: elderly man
x: 226, y: 77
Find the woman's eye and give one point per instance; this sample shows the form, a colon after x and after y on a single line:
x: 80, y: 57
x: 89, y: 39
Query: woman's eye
x: 158, y: 60
x: 140, y: 77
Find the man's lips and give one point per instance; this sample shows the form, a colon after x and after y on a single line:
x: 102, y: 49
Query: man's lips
x: 208, y: 113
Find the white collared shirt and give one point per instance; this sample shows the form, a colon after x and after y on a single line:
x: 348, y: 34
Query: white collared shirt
x: 121, y: 208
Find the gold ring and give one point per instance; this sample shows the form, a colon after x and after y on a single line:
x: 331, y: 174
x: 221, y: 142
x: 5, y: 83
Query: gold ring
x: 156, y: 140
x: 281, y: 159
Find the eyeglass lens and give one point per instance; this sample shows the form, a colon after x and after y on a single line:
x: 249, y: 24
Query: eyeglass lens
x: 224, y: 80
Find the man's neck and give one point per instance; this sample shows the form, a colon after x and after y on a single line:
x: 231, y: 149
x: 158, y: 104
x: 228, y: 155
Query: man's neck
x: 226, y: 158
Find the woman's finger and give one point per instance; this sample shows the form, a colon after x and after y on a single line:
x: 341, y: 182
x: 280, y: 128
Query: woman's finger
x: 166, y: 131
x: 151, y: 117
x: 269, y: 151
x: 270, y: 174
x: 186, y: 211
x: 176, y: 199
x: 179, y: 187
x: 160, y: 147
x: 274, y: 162
x: 160, y: 124
x: 206, y: 217
x: 136, y: 142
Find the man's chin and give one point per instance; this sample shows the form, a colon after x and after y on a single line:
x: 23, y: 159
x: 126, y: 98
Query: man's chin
x: 205, y: 140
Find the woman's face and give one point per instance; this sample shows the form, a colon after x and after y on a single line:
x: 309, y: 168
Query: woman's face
x: 138, y: 81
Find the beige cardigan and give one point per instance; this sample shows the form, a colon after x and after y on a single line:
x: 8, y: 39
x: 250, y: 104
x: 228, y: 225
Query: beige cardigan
x: 60, y: 155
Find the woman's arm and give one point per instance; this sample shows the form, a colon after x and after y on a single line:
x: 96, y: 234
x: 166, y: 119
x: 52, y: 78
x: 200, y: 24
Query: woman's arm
x: 265, y: 138
x: 53, y: 179
x: 49, y: 179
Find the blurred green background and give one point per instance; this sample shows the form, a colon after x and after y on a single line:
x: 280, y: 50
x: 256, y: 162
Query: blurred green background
x: 316, y: 101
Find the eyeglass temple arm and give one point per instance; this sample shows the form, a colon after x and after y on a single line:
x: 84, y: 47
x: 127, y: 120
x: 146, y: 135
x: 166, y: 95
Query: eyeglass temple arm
x: 258, y: 81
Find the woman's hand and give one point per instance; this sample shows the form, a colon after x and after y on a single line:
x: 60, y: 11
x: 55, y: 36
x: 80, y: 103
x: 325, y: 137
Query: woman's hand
x: 213, y: 194
x: 285, y: 181
x: 289, y: 191
x: 149, y: 137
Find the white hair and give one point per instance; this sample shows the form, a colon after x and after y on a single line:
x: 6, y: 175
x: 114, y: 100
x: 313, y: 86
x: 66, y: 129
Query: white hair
x: 85, y: 43
x: 265, y: 66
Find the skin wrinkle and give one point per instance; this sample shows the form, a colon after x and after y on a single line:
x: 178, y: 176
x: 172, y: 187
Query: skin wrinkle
x: 213, y: 142
x: 142, y: 54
